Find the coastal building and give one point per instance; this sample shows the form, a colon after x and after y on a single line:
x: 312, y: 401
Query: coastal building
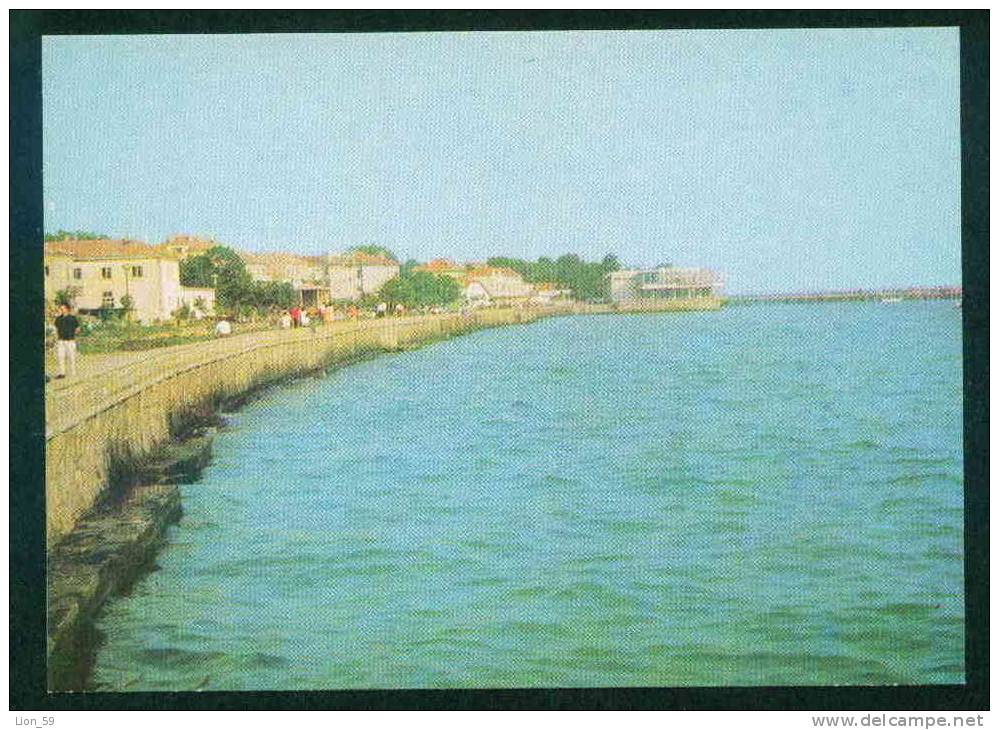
x: 306, y: 274
x: 664, y: 282
x: 99, y: 274
x: 315, y: 279
x: 547, y: 292
x: 353, y: 275
x: 282, y: 266
x: 485, y: 284
x: 496, y: 285
x: 446, y: 267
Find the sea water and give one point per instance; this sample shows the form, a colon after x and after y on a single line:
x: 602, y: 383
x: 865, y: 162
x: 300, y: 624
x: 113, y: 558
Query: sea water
x: 763, y: 495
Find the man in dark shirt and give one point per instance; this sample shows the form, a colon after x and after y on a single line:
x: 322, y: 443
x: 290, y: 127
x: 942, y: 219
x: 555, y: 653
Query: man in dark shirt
x: 66, y: 327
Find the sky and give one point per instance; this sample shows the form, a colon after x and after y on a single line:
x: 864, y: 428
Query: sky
x: 789, y: 160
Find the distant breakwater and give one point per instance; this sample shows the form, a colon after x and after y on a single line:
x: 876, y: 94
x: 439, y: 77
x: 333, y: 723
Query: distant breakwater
x: 651, y: 306
x: 857, y: 295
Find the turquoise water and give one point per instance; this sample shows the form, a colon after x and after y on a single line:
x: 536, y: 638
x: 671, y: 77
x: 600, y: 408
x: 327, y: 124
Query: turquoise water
x: 768, y: 495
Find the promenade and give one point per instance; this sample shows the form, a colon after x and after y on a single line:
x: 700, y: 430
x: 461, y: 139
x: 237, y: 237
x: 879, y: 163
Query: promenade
x: 122, y: 406
x: 104, y: 379
x: 125, y: 407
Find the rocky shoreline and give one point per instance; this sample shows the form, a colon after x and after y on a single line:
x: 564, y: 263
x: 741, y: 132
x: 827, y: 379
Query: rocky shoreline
x: 113, y: 546
x: 114, y: 543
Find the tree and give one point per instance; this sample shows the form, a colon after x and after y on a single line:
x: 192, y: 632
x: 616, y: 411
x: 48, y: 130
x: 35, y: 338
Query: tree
x: 127, y: 306
x: 222, y: 268
x: 62, y: 235
x: 66, y: 296
x: 218, y: 261
x: 420, y: 289
x: 587, y: 280
x: 373, y: 250
x: 270, y: 295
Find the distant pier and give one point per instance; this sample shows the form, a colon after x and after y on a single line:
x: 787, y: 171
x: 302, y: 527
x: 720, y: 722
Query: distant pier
x: 932, y: 292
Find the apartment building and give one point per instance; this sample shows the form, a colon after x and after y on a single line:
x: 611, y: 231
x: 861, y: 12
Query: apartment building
x: 99, y: 274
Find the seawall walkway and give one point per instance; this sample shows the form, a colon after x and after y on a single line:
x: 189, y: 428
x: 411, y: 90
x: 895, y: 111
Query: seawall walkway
x: 122, y: 406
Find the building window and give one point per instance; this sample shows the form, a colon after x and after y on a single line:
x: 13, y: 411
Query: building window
x: 77, y: 273
x: 107, y: 300
x: 105, y: 272
x: 137, y: 272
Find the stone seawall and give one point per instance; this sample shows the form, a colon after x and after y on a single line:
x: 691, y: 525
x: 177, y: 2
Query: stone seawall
x: 118, y: 442
x: 647, y: 306
x: 100, y: 427
x: 113, y: 461
x: 104, y: 555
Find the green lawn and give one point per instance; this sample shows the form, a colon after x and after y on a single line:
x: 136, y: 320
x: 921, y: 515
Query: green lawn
x: 129, y: 337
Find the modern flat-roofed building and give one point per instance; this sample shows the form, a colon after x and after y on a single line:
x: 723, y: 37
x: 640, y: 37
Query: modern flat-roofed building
x: 664, y: 282
x: 98, y: 274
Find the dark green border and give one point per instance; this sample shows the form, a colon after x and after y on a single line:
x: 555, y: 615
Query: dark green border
x: 27, y: 612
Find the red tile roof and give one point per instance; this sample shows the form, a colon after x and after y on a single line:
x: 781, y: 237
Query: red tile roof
x: 274, y: 258
x: 103, y: 249
x: 193, y: 245
x: 440, y: 265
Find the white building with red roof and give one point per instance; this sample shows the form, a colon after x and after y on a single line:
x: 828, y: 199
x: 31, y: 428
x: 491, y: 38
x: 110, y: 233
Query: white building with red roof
x: 99, y: 274
x: 357, y: 274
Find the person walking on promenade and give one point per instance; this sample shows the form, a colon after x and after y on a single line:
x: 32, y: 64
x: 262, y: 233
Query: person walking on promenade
x: 66, y: 328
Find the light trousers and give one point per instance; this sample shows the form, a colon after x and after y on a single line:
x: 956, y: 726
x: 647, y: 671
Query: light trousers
x: 66, y: 356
